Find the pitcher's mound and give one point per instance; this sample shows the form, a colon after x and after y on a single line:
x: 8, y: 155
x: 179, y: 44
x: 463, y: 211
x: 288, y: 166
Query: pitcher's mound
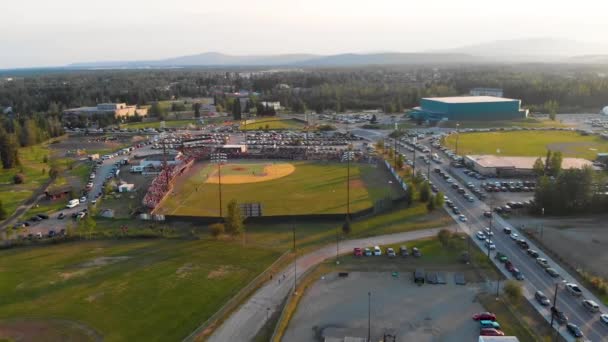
x: 251, y: 173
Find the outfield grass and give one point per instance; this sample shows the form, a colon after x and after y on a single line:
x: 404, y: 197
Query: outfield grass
x: 313, y: 188
x: 528, y: 143
x: 152, y: 290
x: 272, y: 124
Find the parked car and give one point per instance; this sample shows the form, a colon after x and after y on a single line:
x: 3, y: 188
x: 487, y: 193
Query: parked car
x: 507, y: 230
x: 462, y: 218
x: 51, y: 233
x: 514, y: 236
x: 491, y: 332
x: 484, y: 316
x: 509, y: 266
x: 60, y: 216
x: 368, y: 252
x: 541, y: 298
x: 43, y: 216
x: 501, y: 257
x: 403, y: 251
x: 604, y: 318
x: 591, y: 306
x: 390, y: 252
x: 574, y: 290
x: 523, y: 244
x: 377, y: 251
x: 35, y: 218
x: 357, y: 252
x: 489, y: 324
x: 416, y: 252
x: 552, y: 272
x: 574, y: 330
x: 490, y: 244
x: 559, y: 315
x: 487, y: 214
x: 542, y: 262
x: 480, y: 235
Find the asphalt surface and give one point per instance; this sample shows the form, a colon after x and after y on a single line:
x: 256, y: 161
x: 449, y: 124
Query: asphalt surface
x: 245, y: 323
x: 535, y: 277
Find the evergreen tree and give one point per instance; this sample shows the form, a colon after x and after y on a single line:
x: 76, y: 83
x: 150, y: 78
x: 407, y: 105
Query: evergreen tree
x: 234, y: 220
x: 197, y: 110
x: 555, y: 166
x: 236, y: 109
x: 538, y: 167
x: 425, y: 192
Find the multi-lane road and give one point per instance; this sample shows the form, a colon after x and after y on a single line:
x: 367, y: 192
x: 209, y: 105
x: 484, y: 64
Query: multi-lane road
x: 535, y: 276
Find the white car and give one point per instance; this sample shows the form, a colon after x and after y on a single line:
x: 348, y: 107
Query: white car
x: 604, y: 318
x: 490, y: 244
x: 590, y: 305
x: 462, y: 218
x: 480, y: 235
x: 514, y: 236
x: 542, y: 262
x: 488, y: 231
x: 574, y: 289
x: 83, y: 199
x: 377, y: 251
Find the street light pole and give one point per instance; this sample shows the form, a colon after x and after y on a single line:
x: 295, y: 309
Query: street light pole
x: 554, y: 302
x: 457, y: 137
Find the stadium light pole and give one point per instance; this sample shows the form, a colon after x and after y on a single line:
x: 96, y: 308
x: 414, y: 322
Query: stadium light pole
x: 295, y: 259
x: 219, y: 159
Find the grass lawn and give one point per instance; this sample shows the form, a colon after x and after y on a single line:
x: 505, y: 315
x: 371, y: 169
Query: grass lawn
x: 272, y: 124
x: 313, y: 188
x: 156, y: 124
x: 530, y: 122
x: 529, y: 143
x: 135, y: 290
x: 31, y: 158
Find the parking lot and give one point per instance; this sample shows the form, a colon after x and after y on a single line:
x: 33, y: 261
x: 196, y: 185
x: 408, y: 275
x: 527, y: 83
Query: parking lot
x: 338, y: 306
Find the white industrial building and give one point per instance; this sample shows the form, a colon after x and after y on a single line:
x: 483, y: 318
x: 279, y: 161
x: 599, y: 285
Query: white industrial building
x: 505, y: 166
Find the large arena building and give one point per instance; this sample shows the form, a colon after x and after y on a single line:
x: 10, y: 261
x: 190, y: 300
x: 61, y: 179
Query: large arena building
x: 469, y: 108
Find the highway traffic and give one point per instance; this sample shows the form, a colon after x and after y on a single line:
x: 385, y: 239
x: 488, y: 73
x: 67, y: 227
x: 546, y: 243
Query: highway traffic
x: 535, y: 276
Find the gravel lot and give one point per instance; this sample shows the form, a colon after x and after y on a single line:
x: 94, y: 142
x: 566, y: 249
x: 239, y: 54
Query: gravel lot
x: 337, y: 307
x: 579, y: 241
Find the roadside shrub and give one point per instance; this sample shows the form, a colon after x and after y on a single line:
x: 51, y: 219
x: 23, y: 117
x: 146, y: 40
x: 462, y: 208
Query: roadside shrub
x: 19, y: 178
x: 513, y: 290
x: 444, y: 237
x: 217, y: 229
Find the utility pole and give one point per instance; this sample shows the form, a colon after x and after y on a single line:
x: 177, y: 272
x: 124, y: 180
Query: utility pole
x: 395, y: 153
x: 554, y: 302
x: 457, y: 136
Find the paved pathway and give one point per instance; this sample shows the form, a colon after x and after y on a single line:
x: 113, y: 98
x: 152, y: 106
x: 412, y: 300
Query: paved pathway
x: 245, y: 323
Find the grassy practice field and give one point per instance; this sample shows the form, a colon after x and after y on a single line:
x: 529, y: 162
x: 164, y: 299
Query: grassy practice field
x: 31, y: 158
x: 312, y: 188
x: 529, y: 143
x: 272, y: 124
x: 156, y: 124
x: 135, y: 290
x: 530, y: 122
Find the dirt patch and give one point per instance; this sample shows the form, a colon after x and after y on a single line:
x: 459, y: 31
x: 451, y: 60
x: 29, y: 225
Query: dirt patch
x: 221, y: 272
x: 94, y: 297
x: 104, y: 261
x: 69, y: 275
x: 26, y: 330
x: 238, y: 168
x: 271, y: 171
x: 357, y: 184
x: 186, y: 270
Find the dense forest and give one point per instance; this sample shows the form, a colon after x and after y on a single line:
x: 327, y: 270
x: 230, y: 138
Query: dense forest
x: 393, y: 89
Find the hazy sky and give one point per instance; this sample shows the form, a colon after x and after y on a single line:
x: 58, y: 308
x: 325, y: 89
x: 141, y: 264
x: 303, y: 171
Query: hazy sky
x: 58, y: 32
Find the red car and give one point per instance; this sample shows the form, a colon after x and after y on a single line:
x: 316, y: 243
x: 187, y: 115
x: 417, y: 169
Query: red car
x: 358, y: 252
x: 491, y: 332
x: 509, y: 266
x: 484, y: 316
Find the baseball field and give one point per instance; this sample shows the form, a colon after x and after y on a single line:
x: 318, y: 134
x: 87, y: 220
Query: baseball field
x: 282, y: 188
x: 529, y: 143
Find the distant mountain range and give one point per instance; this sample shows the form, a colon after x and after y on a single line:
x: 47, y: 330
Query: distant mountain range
x: 548, y: 50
